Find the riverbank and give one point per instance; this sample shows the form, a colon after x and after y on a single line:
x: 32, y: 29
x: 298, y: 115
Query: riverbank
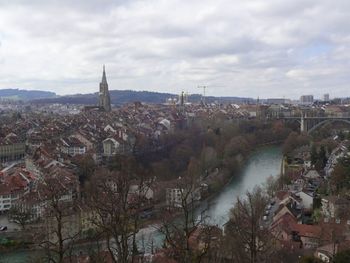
x: 228, y: 180
x: 259, y: 165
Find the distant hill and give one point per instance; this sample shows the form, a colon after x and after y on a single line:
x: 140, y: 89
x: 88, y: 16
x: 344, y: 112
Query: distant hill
x: 18, y: 94
x: 119, y: 97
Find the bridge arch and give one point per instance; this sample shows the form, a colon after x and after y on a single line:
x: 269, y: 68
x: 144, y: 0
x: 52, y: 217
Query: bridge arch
x: 325, y: 122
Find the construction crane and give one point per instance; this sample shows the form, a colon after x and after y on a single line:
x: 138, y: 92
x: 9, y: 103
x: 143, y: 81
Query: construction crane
x: 204, y: 87
x: 203, y: 95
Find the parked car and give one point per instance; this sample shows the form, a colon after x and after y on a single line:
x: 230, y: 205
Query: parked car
x: 146, y: 214
x: 264, y: 218
x: 3, y: 228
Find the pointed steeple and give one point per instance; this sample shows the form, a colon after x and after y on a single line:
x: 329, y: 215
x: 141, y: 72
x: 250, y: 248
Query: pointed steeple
x: 104, y: 79
x: 104, y: 98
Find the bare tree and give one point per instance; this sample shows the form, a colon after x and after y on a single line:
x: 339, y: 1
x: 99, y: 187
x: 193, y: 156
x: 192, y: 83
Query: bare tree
x: 115, y: 208
x: 183, y: 233
x: 271, y: 186
x: 246, y: 239
x: 21, y: 215
x: 59, y: 226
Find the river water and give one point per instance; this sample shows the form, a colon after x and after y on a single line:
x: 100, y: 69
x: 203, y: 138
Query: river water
x: 263, y: 163
x: 260, y: 165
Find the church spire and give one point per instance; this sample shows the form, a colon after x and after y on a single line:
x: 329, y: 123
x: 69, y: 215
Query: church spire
x: 104, y: 98
x: 104, y: 79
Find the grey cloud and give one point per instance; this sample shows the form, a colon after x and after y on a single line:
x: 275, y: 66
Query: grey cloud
x: 252, y: 47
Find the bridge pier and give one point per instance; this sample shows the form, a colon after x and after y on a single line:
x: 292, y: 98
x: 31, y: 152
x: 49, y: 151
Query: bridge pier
x: 303, y: 127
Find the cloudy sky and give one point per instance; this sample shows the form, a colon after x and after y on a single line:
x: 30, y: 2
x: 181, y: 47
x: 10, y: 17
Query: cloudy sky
x: 266, y: 48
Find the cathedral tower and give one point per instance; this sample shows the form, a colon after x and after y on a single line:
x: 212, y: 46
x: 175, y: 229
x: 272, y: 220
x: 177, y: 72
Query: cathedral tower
x: 104, y: 98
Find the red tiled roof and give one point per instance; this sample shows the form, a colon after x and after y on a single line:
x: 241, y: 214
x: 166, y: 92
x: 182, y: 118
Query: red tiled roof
x: 286, y: 222
x: 308, y: 230
x: 282, y: 194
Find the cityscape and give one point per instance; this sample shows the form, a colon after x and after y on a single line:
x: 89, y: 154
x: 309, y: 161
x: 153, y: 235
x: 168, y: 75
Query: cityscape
x: 125, y: 140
